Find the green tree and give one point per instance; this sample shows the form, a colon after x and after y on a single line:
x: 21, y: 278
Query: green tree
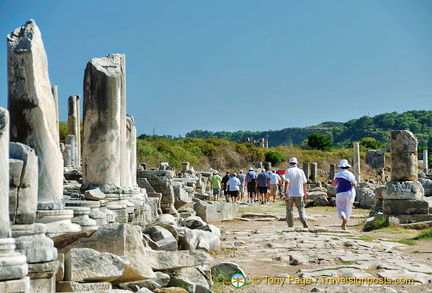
x: 371, y: 143
x: 319, y: 141
x: 364, y: 123
x: 274, y: 157
x: 63, y: 130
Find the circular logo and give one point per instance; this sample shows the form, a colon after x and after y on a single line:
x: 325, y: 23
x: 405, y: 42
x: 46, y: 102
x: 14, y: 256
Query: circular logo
x: 238, y: 280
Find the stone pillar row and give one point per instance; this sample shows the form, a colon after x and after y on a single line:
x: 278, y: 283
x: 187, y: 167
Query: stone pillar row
x: 32, y: 173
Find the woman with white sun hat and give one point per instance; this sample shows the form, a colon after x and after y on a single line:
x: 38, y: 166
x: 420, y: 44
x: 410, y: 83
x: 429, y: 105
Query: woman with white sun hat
x: 345, y: 182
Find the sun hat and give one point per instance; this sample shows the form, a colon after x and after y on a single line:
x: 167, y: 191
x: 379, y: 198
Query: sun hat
x: 344, y: 164
x: 250, y: 169
x: 293, y: 160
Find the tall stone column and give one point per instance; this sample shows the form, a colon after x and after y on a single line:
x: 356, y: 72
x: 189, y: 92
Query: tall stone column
x: 54, y: 90
x: 332, y: 171
x: 131, y: 152
x: 102, y: 152
x: 356, y: 160
x: 33, y: 111
x: 71, y: 149
x: 425, y: 162
x: 313, y: 172
x: 74, y: 126
x: 124, y: 162
x: 307, y: 169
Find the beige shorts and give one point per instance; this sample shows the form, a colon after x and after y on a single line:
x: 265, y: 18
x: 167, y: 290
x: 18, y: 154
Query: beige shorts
x: 274, y: 188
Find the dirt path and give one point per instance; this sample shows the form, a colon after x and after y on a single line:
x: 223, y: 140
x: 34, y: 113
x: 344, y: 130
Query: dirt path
x: 267, y: 249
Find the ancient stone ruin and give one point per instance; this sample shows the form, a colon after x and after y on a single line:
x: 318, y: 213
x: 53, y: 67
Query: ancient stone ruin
x: 78, y: 216
x: 85, y: 216
x: 404, y: 194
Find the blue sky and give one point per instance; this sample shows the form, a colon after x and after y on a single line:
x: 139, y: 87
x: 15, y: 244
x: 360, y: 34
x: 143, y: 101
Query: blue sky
x: 239, y: 64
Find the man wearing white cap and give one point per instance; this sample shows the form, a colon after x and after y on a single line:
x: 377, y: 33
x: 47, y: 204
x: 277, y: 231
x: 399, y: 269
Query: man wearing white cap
x: 295, y: 192
x: 345, y: 182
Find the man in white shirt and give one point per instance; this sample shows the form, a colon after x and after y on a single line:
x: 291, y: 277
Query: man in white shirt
x: 233, y: 187
x: 275, y: 180
x: 295, y: 192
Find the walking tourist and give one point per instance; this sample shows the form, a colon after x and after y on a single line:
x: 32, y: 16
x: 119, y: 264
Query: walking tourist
x: 275, y: 182
x: 225, y: 186
x: 216, y: 185
x: 242, y: 177
x: 233, y: 187
x: 251, y: 184
x: 345, y: 182
x: 295, y: 192
x: 281, y: 173
x: 263, y: 184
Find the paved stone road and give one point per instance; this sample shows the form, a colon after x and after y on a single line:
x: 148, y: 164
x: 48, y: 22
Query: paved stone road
x: 319, y: 259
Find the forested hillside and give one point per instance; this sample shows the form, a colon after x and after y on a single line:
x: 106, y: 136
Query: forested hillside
x: 342, y: 134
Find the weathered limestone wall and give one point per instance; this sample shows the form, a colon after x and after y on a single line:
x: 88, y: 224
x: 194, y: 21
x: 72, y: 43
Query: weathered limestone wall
x: 104, y: 82
x: 32, y: 108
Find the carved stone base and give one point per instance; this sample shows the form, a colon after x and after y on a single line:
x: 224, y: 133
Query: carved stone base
x: 408, y: 207
x: 42, y: 276
x: 31, y: 241
x: 16, y: 286
x: 57, y: 221
x: 81, y: 217
x: 13, y: 264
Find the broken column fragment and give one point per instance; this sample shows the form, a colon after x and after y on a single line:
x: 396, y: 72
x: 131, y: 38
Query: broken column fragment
x: 104, y: 82
x: 33, y: 114
x: 404, y: 194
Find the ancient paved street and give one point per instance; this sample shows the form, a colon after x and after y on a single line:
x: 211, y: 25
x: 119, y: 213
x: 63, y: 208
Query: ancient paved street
x: 319, y: 259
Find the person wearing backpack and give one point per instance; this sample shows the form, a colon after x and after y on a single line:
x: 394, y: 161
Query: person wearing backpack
x: 251, y: 183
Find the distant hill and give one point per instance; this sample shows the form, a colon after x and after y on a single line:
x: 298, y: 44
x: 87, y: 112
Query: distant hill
x: 418, y: 122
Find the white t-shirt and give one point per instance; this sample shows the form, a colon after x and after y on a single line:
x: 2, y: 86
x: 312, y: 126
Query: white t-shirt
x: 296, y: 177
x: 233, y: 184
x: 274, y: 178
